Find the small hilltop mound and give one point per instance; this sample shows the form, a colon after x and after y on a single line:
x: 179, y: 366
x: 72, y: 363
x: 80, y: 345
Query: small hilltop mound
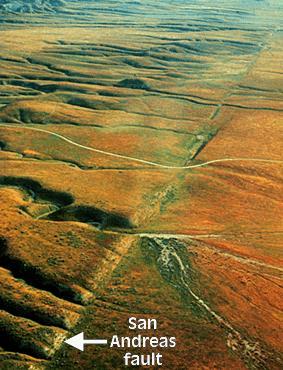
x: 133, y: 83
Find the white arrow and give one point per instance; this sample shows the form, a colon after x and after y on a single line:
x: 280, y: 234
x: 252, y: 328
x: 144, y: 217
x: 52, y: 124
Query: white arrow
x: 78, y: 341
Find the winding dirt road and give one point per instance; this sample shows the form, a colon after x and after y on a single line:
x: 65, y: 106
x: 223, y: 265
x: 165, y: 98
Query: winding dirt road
x: 220, y: 160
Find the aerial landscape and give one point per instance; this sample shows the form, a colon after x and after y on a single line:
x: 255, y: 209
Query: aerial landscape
x: 141, y: 172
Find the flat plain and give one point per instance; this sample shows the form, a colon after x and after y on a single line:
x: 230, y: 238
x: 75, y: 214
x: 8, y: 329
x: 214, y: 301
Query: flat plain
x: 141, y: 175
